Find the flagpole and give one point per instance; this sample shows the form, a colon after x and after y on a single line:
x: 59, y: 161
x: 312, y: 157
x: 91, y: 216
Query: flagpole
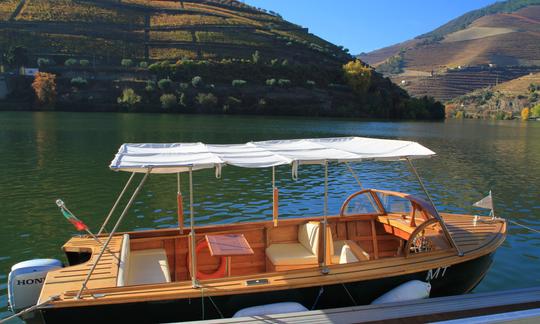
x: 492, y: 206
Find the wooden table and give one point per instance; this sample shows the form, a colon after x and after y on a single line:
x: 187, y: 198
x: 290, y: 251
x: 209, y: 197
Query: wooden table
x: 228, y: 245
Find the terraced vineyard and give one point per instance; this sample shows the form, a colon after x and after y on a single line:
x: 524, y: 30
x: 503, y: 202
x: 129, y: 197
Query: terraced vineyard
x: 110, y: 30
x: 455, y: 83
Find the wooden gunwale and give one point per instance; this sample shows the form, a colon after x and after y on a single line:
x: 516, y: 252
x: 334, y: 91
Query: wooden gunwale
x: 374, y: 269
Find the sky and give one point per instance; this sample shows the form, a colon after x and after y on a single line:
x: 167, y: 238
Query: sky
x: 366, y: 25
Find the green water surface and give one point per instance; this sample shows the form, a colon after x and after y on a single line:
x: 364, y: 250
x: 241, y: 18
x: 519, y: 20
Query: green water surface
x: 45, y: 156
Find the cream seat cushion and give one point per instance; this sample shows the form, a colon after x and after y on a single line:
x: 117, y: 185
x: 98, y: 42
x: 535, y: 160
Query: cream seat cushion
x: 148, y: 267
x: 347, y: 251
x: 301, y: 253
x: 290, y: 254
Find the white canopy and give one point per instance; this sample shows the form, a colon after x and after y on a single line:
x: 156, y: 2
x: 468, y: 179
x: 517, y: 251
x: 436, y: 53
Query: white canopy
x: 180, y: 157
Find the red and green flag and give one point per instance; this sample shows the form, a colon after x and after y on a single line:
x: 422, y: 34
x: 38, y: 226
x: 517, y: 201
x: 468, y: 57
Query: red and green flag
x: 79, y: 224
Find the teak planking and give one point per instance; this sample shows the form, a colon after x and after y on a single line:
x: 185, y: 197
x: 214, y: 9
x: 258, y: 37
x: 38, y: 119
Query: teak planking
x: 382, y: 238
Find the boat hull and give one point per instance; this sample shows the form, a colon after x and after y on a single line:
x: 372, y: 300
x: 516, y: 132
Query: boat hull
x: 452, y: 280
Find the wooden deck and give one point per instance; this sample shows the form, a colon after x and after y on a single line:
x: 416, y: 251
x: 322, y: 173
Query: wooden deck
x: 420, y: 311
x: 470, y: 234
x: 72, y: 278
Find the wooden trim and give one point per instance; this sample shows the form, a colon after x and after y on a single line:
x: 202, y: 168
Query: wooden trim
x: 374, y: 240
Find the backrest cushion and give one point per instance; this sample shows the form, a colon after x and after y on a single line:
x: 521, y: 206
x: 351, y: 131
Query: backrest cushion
x: 347, y: 255
x: 308, y: 236
x: 122, y: 278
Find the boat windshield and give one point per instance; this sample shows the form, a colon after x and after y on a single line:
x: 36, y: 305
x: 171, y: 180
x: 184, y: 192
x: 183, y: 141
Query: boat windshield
x: 360, y: 204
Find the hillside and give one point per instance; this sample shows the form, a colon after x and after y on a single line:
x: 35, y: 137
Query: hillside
x: 455, y: 58
x: 156, y: 30
x: 503, y: 101
x: 198, y: 56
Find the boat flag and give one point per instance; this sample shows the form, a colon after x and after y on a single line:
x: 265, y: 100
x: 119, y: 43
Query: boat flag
x: 79, y: 224
x: 486, y: 202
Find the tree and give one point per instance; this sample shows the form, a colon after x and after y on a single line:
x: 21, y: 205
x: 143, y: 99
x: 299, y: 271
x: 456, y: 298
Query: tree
x: 150, y: 86
x: 284, y: 83
x: 165, y: 84
x: 126, y: 63
x: 43, y: 62
x: 129, y: 98
x: 197, y: 82
x: 17, y: 56
x: 168, y: 101
x: 525, y: 114
x: 206, y: 100
x: 238, y: 83
x: 79, y: 82
x: 535, y: 111
x: 358, y: 76
x: 44, y: 86
x: 84, y: 63
x: 256, y: 57
x: 70, y: 62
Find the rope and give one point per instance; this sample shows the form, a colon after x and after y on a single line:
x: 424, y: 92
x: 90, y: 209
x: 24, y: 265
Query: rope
x: 348, y: 293
x: 524, y: 226
x: 30, y: 309
x: 321, y: 291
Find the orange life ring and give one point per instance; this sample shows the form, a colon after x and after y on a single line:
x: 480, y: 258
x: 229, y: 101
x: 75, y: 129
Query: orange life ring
x: 219, y: 273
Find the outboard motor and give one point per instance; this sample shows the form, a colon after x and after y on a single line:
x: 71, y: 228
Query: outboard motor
x: 25, y: 281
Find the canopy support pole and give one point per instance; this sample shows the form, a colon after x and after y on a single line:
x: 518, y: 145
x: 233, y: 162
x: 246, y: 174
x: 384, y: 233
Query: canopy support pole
x: 105, y: 246
x: 115, y: 204
x: 325, y: 269
x: 194, y: 282
x: 438, y: 216
x: 275, y: 198
x: 180, y: 205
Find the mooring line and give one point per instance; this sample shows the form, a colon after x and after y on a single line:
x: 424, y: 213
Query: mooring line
x: 524, y: 226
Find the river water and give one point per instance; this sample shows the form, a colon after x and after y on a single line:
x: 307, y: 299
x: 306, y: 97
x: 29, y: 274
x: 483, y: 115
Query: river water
x: 45, y: 156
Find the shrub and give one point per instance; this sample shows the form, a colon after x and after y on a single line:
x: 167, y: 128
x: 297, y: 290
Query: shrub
x: 129, y: 98
x: 197, y: 82
x: 284, y: 83
x: 231, y: 102
x: 143, y: 65
x: 165, y: 84
x: 239, y: 83
x: 183, y: 100
x: 525, y: 114
x: 79, y: 82
x: 44, y: 86
x: 310, y: 84
x: 42, y: 62
x: 274, y: 62
x: 256, y: 57
x: 168, y: 101
x: 271, y: 82
x: 126, y: 63
x: 84, y: 63
x: 459, y: 115
x: 150, y: 86
x: 207, y: 100
x: 70, y: 62
x: 184, y: 86
x: 285, y: 63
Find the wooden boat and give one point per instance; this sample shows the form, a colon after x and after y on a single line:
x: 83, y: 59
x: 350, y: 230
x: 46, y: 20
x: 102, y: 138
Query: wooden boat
x: 379, y: 240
